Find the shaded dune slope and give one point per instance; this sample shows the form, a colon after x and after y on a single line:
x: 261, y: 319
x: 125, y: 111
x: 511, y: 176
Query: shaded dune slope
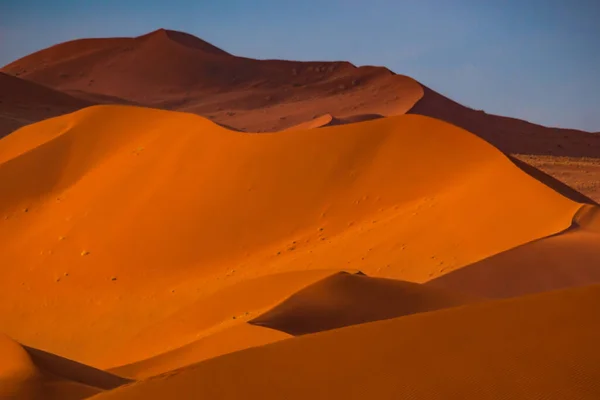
x: 349, y: 299
x: 195, y: 221
x: 28, y: 373
x: 541, y: 346
x: 23, y: 102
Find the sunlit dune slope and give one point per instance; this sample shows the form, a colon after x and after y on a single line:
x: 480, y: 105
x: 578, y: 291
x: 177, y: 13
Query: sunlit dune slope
x: 23, y: 102
x: 27, y: 373
x: 542, y: 346
x: 135, y: 212
x: 349, y: 299
x: 556, y: 262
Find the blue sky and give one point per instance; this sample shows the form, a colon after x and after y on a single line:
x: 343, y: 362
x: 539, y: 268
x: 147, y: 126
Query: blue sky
x: 533, y: 59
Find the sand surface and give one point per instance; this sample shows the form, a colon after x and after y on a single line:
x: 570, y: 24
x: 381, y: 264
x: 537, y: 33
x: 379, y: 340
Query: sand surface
x: 120, y: 212
x: 302, y: 229
x: 549, y: 351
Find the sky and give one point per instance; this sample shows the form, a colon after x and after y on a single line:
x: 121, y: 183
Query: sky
x: 537, y: 60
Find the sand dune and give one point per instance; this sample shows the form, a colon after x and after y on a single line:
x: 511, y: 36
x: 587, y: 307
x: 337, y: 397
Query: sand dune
x: 509, y: 134
x: 541, y: 346
x: 23, y: 102
x: 349, y: 299
x: 561, y: 261
x: 267, y: 95
x: 176, y: 71
x: 221, y: 309
x: 27, y: 373
x: 221, y: 320
x: 137, y: 212
x: 227, y: 340
x: 175, y: 246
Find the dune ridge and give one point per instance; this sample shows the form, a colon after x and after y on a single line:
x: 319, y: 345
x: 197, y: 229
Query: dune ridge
x: 285, y: 201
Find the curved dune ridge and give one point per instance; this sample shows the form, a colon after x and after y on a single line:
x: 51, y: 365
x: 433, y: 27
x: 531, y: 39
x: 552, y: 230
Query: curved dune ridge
x: 556, y: 262
x: 27, y: 373
x: 350, y: 299
x: 329, y: 120
x: 550, y: 352
x: 137, y: 212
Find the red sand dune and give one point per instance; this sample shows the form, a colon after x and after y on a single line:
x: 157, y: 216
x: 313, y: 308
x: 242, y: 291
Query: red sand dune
x: 177, y: 71
x: 23, y: 102
x: 542, y: 346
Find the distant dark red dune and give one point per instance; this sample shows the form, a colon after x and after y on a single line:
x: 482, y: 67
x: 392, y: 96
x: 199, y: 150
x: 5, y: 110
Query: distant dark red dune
x: 177, y: 71
x: 23, y: 102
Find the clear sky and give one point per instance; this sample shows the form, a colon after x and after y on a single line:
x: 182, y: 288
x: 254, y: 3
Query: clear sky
x: 533, y: 59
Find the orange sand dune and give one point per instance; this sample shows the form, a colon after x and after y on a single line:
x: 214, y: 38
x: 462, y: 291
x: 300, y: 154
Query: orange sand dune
x: 556, y: 262
x: 23, y: 102
x: 136, y: 212
x: 349, y: 299
x: 535, y: 347
x: 27, y: 373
